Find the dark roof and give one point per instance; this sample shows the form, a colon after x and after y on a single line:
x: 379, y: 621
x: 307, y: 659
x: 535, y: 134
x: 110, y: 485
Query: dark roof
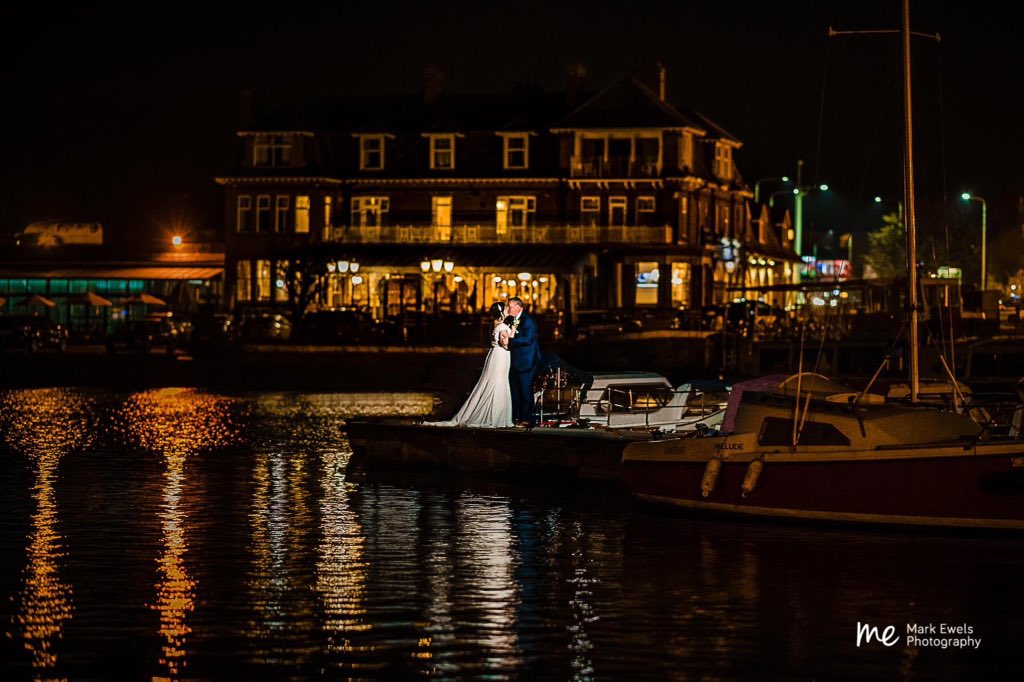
x: 522, y: 108
x: 713, y: 128
x: 627, y: 103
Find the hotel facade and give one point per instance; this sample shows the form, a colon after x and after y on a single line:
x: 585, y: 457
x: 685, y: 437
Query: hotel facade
x: 443, y: 203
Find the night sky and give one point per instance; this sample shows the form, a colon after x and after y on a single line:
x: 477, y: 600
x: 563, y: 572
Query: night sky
x: 126, y: 117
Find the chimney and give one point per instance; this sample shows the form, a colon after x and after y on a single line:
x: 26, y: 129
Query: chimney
x: 661, y: 80
x: 575, y: 81
x: 433, y: 83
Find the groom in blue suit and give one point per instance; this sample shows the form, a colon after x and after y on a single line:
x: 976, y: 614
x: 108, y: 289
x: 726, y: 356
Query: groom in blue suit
x: 525, y: 361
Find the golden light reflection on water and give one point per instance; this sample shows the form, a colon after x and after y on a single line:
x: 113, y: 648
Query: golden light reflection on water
x: 341, y: 566
x: 44, y: 425
x: 487, y: 550
x: 175, y: 423
x: 281, y: 521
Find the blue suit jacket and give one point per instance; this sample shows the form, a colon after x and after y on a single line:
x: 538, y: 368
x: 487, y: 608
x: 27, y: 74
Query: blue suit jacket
x: 524, y: 346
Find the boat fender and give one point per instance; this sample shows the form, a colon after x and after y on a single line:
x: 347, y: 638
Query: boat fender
x: 753, y: 473
x: 707, y: 484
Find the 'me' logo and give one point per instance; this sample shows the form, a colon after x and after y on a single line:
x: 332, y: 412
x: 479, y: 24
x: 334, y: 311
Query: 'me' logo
x: 866, y: 633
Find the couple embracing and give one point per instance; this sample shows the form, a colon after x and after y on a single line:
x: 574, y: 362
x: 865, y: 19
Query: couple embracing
x: 503, y: 396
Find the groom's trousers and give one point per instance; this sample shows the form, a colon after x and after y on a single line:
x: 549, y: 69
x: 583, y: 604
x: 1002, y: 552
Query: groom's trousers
x: 521, y: 384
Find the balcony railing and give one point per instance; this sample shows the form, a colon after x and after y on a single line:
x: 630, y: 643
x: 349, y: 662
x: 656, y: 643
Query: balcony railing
x: 597, y: 167
x: 488, y: 234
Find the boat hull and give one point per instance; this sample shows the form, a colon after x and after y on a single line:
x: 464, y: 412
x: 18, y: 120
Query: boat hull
x: 579, y: 453
x: 961, y: 486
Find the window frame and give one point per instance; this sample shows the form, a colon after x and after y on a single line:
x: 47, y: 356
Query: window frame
x: 282, y: 207
x: 364, y: 152
x: 365, y: 205
x: 434, y: 139
x: 244, y: 215
x: 299, y: 210
x: 507, y: 150
x: 262, y: 210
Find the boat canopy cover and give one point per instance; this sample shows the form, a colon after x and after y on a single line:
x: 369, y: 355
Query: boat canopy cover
x: 782, y: 384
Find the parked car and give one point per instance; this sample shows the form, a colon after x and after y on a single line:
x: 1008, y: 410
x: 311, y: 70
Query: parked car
x: 32, y: 333
x: 340, y: 326
x: 144, y: 334
x: 590, y: 324
x: 264, y: 327
x: 212, y: 329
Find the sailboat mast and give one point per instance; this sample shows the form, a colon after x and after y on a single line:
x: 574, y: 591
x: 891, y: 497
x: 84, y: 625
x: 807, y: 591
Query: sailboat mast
x: 908, y: 201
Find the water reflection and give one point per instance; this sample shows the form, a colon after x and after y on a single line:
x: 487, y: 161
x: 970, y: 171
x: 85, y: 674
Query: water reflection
x: 175, y: 423
x: 44, y: 425
x: 486, y: 587
x: 341, y: 564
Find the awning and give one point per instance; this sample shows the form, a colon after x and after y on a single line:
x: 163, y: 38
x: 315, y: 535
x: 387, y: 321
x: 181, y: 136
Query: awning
x: 111, y: 272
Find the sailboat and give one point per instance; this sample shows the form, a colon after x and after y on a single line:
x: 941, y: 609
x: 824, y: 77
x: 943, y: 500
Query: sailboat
x: 804, y: 447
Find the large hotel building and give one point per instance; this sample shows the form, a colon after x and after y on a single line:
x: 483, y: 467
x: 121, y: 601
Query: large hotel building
x: 442, y: 203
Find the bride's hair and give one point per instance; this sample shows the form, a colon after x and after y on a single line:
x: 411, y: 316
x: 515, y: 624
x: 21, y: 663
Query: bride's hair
x: 497, y: 311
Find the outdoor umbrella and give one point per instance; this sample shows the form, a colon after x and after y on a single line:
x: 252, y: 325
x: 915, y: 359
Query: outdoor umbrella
x: 36, y: 299
x: 90, y: 298
x: 145, y: 299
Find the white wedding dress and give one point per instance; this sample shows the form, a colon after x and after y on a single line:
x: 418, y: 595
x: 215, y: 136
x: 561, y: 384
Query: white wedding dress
x: 490, y: 403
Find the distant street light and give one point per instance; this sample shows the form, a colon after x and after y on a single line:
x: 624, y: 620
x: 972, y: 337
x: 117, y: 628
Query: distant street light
x: 176, y: 240
x: 798, y: 193
x: 967, y: 196
x: 757, y: 186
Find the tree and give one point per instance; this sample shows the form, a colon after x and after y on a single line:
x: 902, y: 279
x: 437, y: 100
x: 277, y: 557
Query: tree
x: 887, y: 248
x: 305, y: 277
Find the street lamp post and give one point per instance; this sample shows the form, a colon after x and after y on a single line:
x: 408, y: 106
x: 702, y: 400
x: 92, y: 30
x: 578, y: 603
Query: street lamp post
x: 967, y: 196
x: 757, y: 186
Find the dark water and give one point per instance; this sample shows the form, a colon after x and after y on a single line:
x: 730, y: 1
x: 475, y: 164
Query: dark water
x: 182, y: 534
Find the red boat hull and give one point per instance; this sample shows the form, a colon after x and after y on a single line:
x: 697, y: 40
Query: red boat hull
x: 972, y: 490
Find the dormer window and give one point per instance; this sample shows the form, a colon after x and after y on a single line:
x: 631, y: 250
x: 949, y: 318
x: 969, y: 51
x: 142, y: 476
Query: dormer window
x: 272, y: 150
x: 516, y: 152
x: 686, y: 151
x: 723, y: 161
x: 371, y: 152
x: 442, y: 152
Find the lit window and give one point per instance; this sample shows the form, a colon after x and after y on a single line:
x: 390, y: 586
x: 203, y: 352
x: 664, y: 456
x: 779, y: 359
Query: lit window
x: 442, y: 152
x: 281, y: 213
x: 723, y: 161
x: 264, y: 221
x: 647, y: 276
x: 590, y: 211
x: 515, y: 212
x: 327, y: 218
x: 645, y: 204
x: 243, y: 222
x: 686, y: 151
x: 263, y: 282
x: 371, y: 152
x: 517, y: 151
x: 302, y: 213
x: 369, y: 211
x: 680, y: 285
x: 684, y: 218
x: 441, y: 216
x: 272, y: 150
x: 243, y: 280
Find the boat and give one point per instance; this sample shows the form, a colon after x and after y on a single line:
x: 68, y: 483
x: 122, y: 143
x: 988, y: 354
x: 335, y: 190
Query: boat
x: 804, y: 447
x: 585, y: 425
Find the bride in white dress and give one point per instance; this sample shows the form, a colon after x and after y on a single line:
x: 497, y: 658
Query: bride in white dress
x: 490, y: 403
